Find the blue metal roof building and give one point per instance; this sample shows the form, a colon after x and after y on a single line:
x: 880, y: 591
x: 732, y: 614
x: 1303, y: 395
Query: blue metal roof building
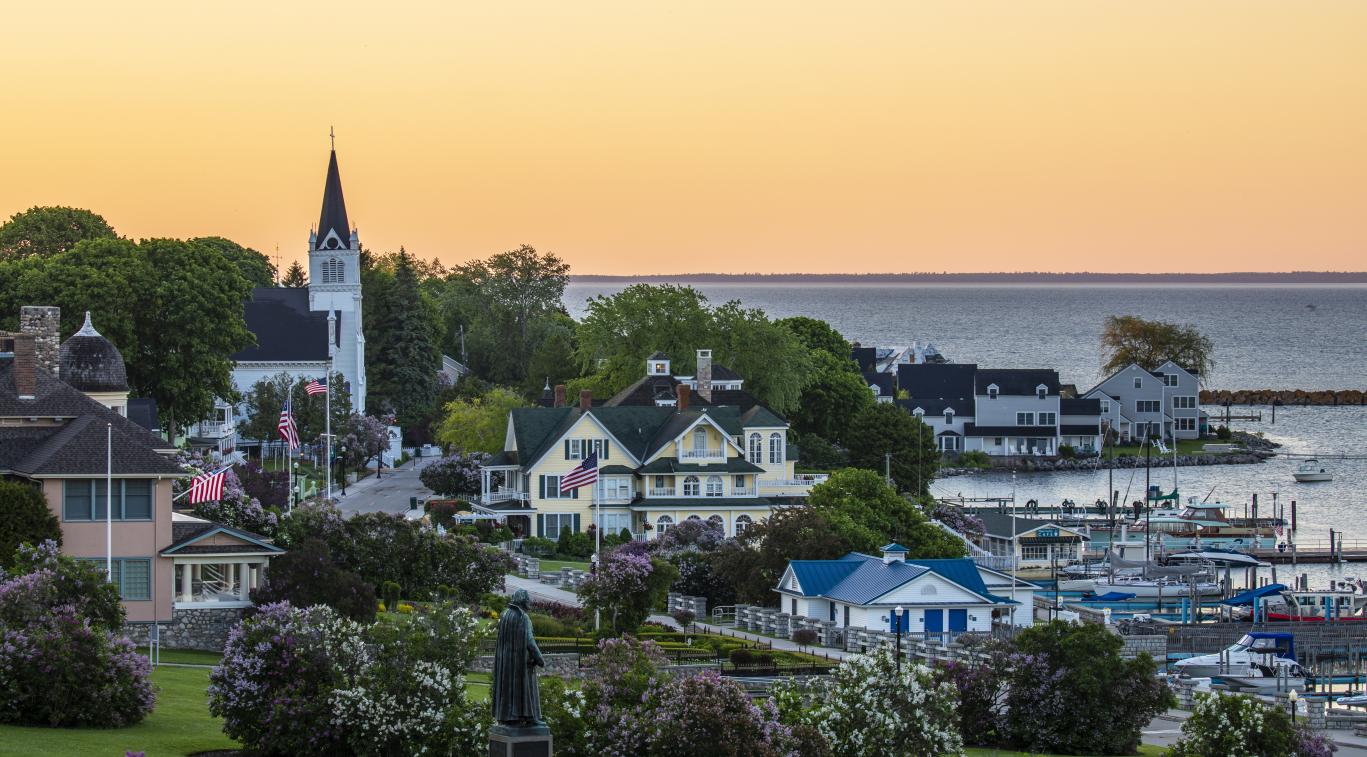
x: 940, y: 596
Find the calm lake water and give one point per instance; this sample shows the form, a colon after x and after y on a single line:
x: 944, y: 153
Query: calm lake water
x: 1293, y: 337
x: 1275, y: 337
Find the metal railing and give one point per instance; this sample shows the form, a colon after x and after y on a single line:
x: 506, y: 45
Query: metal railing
x: 802, y: 479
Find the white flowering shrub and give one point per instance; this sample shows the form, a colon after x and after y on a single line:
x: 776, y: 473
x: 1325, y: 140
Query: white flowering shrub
x: 864, y: 708
x: 1233, y: 724
x: 307, y: 681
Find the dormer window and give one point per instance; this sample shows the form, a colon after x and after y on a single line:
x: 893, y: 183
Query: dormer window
x: 992, y: 391
x: 874, y: 388
x: 918, y: 412
x: 949, y: 415
x: 1041, y: 391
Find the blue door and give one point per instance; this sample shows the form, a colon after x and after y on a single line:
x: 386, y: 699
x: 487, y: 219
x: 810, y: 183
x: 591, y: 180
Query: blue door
x: 958, y: 620
x: 935, y: 621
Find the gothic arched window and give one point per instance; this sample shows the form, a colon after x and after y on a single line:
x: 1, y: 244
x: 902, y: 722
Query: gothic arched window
x: 743, y: 522
x: 775, y: 448
x: 691, y: 487
x: 756, y: 449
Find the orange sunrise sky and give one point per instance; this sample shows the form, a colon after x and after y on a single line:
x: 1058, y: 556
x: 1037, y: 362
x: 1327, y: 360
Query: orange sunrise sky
x: 649, y: 137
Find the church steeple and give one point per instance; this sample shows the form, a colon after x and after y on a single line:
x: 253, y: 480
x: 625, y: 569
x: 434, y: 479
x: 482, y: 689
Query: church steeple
x: 334, y: 230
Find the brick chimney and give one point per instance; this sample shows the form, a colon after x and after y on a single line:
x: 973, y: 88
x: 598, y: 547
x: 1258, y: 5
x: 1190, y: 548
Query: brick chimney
x: 683, y: 393
x: 559, y: 395
x: 42, y: 322
x: 704, y: 377
x: 585, y: 400
x: 25, y: 378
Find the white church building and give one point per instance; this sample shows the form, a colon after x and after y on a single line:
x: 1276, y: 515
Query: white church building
x: 299, y: 330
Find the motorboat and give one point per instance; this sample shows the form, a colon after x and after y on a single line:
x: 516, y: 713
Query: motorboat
x: 1238, y: 659
x: 1333, y: 605
x: 1215, y: 556
x: 1312, y: 471
x: 1207, y: 522
x: 1281, y: 675
x: 1156, y: 588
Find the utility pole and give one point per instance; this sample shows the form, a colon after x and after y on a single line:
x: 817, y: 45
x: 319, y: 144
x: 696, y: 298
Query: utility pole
x: 887, y: 467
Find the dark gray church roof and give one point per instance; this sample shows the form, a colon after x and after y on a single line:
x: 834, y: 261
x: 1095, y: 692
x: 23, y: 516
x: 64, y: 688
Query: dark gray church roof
x: 286, y: 330
x: 333, y: 216
x: 91, y: 363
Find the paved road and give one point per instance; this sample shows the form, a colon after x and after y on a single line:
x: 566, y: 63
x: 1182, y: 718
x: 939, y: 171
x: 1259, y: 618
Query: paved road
x: 389, y: 494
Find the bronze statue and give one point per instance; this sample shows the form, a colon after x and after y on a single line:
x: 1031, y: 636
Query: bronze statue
x: 516, y: 696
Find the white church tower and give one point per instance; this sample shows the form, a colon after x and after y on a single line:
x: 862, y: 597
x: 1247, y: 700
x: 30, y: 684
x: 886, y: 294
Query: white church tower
x: 335, y: 285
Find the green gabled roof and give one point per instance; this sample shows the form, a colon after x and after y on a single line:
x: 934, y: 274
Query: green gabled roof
x: 535, y: 429
x: 762, y: 416
x: 672, y: 465
x: 614, y: 470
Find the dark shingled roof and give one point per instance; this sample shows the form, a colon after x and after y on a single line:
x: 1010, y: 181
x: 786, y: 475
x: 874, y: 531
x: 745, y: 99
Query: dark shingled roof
x: 333, y: 216
x: 184, y: 532
x: 286, y: 330
x: 722, y: 373
x: 1019, y: 381
x: 942, y: 380
x: 867, y: 357
x: 936, y: 406
x: 883, y: 381
x: 1079, y: 407
x: 91, y: 363
x: 647, y: 390
x: 973, y: 429
x: 78, y: 445
x: 143, y: 411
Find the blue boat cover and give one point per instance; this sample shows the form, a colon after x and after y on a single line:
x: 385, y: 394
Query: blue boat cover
x: 1247, y: 597
x: 1112, y: 596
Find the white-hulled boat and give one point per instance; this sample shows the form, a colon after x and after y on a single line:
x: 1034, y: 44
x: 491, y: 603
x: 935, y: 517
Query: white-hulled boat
x: 1312, y: 471
x: 1215, y: 556
x: 1238, y: 659
x: 1155, y: 588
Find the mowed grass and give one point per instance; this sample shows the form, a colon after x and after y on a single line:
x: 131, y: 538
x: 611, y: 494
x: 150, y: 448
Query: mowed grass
x: 554, y: 566
x: 179, y: 725
x: 1145, y: 750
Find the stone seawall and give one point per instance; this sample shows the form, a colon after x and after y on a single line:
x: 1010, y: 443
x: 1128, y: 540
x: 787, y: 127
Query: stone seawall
x: 1282, y: 397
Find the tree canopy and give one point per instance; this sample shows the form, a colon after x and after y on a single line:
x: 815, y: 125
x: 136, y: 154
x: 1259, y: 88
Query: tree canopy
x: 861, y: 507
x: 756, y: 559
x: 24, y: 519
x: 818, y: 336
x: 402, y: 355
x: 266, y: 398
x: 295, y: 277
x: 479, y: 424
x: 883, y: 428
x: 256, y: 268
x: 50, y: 230
x: 834, y: 396
x: 1129, y: 339
x: 620, y: 331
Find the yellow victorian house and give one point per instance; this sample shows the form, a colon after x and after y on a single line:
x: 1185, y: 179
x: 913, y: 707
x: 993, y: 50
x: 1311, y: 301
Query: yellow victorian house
x: 668, y: 451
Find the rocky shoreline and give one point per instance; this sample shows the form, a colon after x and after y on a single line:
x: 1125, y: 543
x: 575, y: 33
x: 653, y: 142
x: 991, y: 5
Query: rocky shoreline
x: 1257, y: 397
x: 1256, y: 450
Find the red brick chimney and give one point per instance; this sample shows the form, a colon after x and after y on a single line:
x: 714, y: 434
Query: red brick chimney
x: 684, y: 393
x: 559, y: 395
x: 585, y: 400
x: 25, y: 367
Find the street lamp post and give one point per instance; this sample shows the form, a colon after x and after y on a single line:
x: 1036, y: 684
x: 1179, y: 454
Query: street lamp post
x: 900, y: 616
x: 298, y: 485
x: 1293, y: 696
x: 341, y: 468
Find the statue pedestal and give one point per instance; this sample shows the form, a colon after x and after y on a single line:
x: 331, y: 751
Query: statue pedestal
x: 514, y: 741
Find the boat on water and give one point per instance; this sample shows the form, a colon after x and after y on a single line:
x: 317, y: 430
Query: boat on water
x: 1238, y: 658
x: 1215, y: 556
x: 1311, y: 471
x: 1207, y: 522
x: 1156, y: 588
x: 1329, y: 606
x: 1281, y: 675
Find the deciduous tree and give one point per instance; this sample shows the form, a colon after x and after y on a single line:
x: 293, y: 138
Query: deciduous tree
x: 883, y: 428
x: 835, y: 394
x: 24, y: 519
x: 1129, y: 339
x: 481, y: 423
x: 46, y: 231
x: 865, y: 510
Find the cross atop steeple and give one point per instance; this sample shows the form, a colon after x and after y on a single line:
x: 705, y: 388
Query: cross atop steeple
x: 334, y: 228
x: 332, y: 135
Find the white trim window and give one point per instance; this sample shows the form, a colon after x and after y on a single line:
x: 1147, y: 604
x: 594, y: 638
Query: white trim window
x: 1025, y: 419
x: 1048, y: 419
x: 716, y: 521
x: 992, y: 391
x: 714, y: 486
x: 692, y: 487
x: 699, y: 439
x: 663, y: 524
x: 1184, y: 402
x: 1105, y: 406
x: 554, y: 522
x: 1148, y: 406
x: 1169, y: 379
x: 756, y: 448
x: 1138, y: 382
x: 775, y: 448
x: 743, y: 522
x: 1185, y: 424
x: 615, y: 523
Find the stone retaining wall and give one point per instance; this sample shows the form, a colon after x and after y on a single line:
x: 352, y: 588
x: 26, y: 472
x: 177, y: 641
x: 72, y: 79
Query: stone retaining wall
x: 203, y: 628
x: 1156, y: 645
x: 562, y: 664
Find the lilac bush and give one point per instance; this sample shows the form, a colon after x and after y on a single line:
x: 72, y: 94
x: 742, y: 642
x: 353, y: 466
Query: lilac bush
x: 626, y: 587
x: 236, y: 508
x: 63, y: 661
x: 314, y: 518
x: 696, y: 534
x: 865, y: 708
x: 1235, y: 724
x: 456, y: 474
x: 307, y: 681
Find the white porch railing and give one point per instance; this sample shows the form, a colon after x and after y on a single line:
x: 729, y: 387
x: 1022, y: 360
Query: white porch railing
x: 666, y: 492
x: 490, y: 498
x: 802, y: 479
x: 613, y: 499
x: 703, y: 454
x: 215, y: 428
x: 744, y: 492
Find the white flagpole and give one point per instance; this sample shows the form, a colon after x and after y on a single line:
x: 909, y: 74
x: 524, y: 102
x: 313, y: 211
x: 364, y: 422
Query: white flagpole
x: 597, y: 538
x: 109, y: 502
x: 328, y: 409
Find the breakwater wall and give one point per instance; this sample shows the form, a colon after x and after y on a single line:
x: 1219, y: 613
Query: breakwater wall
x: 1282, y: 397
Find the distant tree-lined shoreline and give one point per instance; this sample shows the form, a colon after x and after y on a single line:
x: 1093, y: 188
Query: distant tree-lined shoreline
x: 1019, y: 277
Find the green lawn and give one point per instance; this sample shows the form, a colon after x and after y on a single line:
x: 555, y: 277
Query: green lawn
x: 1184, y: 447
x: 1146, y: 750
x: 554, y: 566
x: 179, y: 725
x: 186, y: 656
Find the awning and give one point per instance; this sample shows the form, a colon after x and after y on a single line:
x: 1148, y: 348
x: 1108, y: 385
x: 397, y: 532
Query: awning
x: 1247, y: 597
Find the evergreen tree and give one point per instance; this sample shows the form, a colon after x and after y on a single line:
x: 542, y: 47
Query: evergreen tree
x: 295, y: 277
x: 403, y: 371
x: 883, y: 428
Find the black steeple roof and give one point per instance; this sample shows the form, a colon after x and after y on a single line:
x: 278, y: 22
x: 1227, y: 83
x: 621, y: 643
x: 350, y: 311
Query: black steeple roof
x: 333, y: 217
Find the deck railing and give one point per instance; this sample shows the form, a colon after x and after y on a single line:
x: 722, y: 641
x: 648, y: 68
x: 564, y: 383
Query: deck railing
x: 665, y: 492
x: 703, y: 454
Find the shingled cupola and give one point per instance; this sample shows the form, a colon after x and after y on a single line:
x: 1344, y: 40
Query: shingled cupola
x: 93, y: 366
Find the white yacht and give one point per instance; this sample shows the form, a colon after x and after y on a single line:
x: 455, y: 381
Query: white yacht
x: 1312, y: 471
x: 1238, y: 659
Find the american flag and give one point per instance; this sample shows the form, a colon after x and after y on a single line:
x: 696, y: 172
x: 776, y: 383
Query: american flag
x: 288, y: 431
x: 585, y: 474
x: 317, y: 386
x: 207, y: 487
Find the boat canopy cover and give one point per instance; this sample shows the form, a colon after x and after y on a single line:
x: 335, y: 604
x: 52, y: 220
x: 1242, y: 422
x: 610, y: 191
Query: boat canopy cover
x: 1154, y: 569
x: 1247, y: 597
x: 1113, y: 596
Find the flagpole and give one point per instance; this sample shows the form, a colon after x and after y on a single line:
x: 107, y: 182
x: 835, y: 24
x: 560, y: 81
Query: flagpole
x: 597, y: 540
x: 109, y: 502
x: 328, y: 410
